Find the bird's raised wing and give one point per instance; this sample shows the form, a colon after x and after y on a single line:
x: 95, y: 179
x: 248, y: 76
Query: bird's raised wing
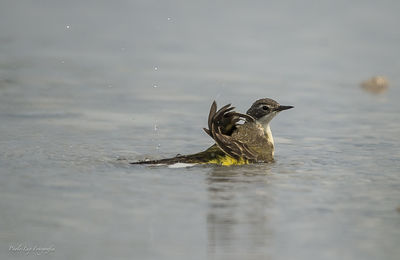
x: 221, y: 125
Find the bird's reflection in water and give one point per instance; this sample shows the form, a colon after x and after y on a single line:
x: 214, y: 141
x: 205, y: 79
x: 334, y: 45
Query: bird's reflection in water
x: 238, y: 212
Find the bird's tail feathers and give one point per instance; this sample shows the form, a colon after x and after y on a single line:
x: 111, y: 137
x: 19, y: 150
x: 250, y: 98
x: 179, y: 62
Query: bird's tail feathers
x: 192, y: 158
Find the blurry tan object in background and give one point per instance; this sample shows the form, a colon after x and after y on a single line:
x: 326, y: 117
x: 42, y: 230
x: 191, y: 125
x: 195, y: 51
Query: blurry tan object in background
x: 376, y: 85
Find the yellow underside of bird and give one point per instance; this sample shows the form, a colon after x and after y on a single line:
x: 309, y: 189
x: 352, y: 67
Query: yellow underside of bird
x: 228, y: 160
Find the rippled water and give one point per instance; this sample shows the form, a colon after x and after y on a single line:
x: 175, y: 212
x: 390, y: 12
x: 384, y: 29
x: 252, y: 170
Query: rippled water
x: 87, y: 87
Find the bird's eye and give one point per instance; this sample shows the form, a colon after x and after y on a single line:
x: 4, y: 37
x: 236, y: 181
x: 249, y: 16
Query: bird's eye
x: 265, y: 108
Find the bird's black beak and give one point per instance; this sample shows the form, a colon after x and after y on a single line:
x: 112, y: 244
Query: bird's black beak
x: 281, y: 108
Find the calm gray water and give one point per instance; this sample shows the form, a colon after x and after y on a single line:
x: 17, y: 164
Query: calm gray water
x: 87, y: 86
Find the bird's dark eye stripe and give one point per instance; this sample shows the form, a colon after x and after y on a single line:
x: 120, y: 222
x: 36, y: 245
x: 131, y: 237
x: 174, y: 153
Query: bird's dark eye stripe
x: 265, y: 107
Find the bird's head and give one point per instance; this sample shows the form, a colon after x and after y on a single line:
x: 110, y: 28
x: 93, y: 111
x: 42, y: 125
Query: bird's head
x: 263, y: 110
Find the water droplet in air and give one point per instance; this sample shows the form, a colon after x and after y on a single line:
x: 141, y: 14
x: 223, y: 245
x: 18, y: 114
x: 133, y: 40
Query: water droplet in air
x: 67, y: 26
x: 155, y: 86
x: 155, y: 68
x: 169, y: 18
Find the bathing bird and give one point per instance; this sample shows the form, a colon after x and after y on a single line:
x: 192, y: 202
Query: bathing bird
x: 239, y: 138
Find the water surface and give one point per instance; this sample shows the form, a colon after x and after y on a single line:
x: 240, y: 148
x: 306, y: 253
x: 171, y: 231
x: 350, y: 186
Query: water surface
x: 86, y: 87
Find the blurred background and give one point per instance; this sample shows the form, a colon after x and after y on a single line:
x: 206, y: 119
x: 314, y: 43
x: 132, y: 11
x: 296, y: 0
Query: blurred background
x: 88, y: 86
